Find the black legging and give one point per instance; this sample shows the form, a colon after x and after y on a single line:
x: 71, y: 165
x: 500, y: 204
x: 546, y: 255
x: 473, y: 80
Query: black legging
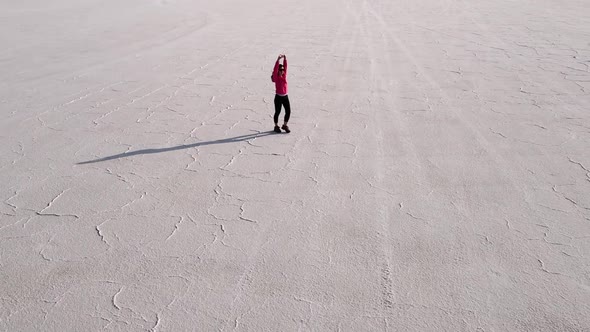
x: 282, y: 101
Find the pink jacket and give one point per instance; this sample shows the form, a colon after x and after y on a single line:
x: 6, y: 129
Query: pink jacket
x: 280, y: 81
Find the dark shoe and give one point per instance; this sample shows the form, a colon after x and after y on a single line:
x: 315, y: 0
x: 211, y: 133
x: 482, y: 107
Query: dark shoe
x: 286, y: 128
x: 277, y: 129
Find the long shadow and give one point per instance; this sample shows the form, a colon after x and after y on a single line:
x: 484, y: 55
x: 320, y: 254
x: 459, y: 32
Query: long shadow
x: 179, y: 147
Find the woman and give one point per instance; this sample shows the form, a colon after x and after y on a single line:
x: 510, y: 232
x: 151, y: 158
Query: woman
x: 279, y: 77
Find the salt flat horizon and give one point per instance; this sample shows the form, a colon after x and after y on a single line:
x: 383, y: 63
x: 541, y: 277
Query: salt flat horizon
x: 437, y: 176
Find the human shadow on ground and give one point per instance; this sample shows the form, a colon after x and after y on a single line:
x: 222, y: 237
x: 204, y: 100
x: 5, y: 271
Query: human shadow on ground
x: 179, y: 147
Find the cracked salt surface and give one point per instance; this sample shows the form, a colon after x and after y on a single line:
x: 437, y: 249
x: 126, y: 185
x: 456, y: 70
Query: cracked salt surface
x: 437, y: 176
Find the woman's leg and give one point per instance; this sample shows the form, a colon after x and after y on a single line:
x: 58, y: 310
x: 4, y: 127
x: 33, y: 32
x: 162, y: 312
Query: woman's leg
x: 277, y: 109
x: 287, y: 108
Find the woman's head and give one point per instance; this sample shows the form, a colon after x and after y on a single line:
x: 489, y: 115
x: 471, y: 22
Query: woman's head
x: 281, y: 70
